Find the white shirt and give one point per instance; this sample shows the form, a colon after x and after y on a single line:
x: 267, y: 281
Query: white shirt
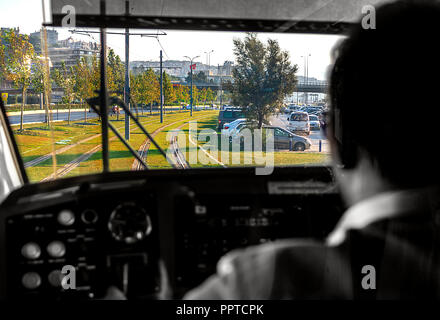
x: 383, y: 206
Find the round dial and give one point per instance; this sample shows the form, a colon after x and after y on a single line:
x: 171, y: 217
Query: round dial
x: 129, y: 223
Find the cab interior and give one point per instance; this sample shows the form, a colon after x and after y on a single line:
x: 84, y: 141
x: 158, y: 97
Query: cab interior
x: 123, y: 228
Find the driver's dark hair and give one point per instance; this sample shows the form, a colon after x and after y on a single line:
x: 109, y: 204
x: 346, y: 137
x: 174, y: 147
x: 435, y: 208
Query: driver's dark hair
x: 385, y: 93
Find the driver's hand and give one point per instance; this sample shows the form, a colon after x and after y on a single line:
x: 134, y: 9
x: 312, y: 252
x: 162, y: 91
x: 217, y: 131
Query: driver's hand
x: 114, y: 293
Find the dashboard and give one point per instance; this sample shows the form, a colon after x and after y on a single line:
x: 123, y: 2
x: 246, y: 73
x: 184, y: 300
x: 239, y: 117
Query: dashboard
x: 119, y: 228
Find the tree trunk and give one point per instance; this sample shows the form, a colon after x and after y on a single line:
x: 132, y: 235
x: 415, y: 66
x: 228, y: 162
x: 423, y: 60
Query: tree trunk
x: 46, y: 109
x: 22, y: 108
x: 68, y: 116
x: 85, y: 112
x: 260, y: 120
x: 151, y: 108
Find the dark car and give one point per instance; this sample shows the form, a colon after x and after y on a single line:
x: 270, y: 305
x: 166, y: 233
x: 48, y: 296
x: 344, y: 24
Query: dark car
x: 283, y: 138
x: 228, y: 115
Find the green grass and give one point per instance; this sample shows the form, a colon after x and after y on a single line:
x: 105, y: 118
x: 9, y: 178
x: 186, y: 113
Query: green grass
x: 38, y: 140
x: 137, y: 138
x: 245, y: 158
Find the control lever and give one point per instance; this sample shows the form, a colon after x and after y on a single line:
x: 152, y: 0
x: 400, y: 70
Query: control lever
x: 134, y: 276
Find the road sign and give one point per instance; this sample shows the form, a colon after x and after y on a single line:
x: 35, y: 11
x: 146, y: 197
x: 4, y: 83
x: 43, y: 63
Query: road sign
x: 5, y: 97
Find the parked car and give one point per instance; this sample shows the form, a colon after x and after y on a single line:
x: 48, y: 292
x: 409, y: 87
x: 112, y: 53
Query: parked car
x: 227, y: 116
x: 298, y: 122
x: 314, y: 122
x: 283, y: 139
x: 228, y: 127
x: 313, y: 110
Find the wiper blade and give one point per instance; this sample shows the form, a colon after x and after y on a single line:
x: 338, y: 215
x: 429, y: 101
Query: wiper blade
x: 126, y: 143
x: 115, y: 100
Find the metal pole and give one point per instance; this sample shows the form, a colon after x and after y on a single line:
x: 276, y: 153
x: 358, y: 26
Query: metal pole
x: 103, y: 95
x: 305, y: 78
x: 161, y: 88
x: 127, y: 75
x: 191, y: 99
x: 221, y: 88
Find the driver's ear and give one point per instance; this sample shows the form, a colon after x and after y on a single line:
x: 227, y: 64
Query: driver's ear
x: 344, y: 150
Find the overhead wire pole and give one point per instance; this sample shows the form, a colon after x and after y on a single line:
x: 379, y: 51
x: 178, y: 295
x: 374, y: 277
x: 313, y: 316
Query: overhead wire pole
x: 208, y: 59
x: 127, y: 74
x: 161, y: 89
x: 103, y: 94
x: 191, y: 101
x: 191, y: 70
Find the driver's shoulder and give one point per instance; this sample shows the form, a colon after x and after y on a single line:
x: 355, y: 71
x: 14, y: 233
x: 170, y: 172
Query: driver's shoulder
x: 264, y: 268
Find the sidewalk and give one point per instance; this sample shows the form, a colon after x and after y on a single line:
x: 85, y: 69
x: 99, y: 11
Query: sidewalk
x: 17, y: 113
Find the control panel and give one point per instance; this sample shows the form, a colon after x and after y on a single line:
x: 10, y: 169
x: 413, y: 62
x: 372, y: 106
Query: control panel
x: 210, y: 226
x: 72, y: 239
x: 72, y: 250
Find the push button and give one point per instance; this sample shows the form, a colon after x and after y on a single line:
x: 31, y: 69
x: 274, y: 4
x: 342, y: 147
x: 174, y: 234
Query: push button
x: 66, y: 218
x: 31, y: 280
x: 31, y: 251
x: 56, y: 249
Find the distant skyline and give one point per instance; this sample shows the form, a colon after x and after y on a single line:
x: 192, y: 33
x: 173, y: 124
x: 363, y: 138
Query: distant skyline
x: 27, y: 15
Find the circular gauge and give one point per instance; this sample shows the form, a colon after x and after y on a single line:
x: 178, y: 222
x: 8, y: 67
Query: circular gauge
x: 89, y: 216
x: 129, y: 223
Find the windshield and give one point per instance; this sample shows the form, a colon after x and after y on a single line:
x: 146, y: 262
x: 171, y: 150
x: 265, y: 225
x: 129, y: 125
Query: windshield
x: 50, y: 73
x: 299, y: 117
x: 313, y: 118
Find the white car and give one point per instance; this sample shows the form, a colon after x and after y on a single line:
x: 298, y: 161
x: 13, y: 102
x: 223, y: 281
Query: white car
x: 298, y: 122
x: 314, y: 122
x: 228, y: 127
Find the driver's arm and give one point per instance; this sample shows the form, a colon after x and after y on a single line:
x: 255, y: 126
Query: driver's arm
x: 280, y: 270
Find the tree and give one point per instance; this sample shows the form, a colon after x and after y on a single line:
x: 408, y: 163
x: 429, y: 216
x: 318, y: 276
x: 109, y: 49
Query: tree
x: 263, y: 76
x: 41, y: 82
x: 19, y: 56
x: 196, y: 96
x: 116, y: 72
x: 168, y: 90
x: 65, y: 79
x: 182, y: 94
x: 36, y: 42
x: 84, y: 83
x: 203, y: 95
x: 3, y: 60
x: 145, y: 87
x: 199, y: 77
x: 210, y: 95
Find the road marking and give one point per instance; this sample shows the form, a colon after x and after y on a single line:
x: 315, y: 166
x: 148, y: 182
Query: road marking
x: 206, y: 152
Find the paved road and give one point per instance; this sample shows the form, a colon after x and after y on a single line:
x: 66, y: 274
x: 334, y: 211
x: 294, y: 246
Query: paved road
x: 315, y: 136
x: 74, y: 116
x: 40, y: 117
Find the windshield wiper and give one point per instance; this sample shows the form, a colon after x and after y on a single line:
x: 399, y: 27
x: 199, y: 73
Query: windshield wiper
x: 94, y: 103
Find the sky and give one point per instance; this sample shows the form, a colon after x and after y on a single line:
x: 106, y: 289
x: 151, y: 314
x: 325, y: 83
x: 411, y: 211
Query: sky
x: 28, y: 16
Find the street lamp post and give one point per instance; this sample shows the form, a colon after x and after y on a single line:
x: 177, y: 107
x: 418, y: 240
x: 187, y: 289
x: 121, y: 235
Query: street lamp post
x: 208, y: 57
x: 191, y: 70
x: 306, y: 74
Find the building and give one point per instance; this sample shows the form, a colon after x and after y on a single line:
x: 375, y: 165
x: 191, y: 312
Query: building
x: 180, y: 68
x: 52, y: 37
x: 70, y: 51
x: 226, y: 69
